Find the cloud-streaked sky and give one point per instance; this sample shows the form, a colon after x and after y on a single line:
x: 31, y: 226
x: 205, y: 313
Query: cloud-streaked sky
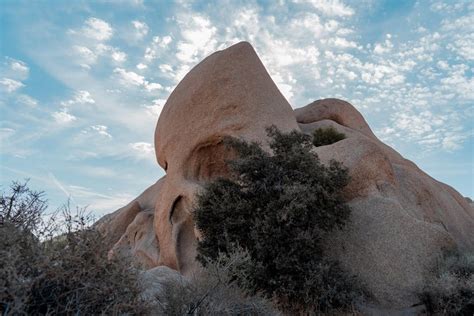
x: 82, y: 83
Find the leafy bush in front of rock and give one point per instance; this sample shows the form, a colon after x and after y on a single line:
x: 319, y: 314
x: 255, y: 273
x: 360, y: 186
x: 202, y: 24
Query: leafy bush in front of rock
x: 279, y: 207
x: 326, y: 136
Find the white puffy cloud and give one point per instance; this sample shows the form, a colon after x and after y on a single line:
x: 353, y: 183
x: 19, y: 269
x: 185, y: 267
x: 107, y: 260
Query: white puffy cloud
x: 197, y: 38
x: 142, y: 147
x: 19, y: 66
x: 158, y: 44
x: 86, y: 56
x: 142, y: 150
x: 97, y: 29
x: 156, y: 107
x: 141, y: 29
x: 10, y: 85
x: 130, y: 78
x: 63, y: 117
x: 152, y: 86
x: 100, y: 130
x: 14, y: 69
x: 382, y: 48
x: 114, y: 53
x: 79, y: 97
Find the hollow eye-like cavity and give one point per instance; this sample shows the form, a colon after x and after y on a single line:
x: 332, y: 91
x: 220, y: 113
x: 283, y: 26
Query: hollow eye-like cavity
x: 183, y: 234
x: 176, y: 211
x: 208, y: 161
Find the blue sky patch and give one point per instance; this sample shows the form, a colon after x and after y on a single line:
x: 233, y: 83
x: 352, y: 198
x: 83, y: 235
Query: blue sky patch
x: 82, y: 83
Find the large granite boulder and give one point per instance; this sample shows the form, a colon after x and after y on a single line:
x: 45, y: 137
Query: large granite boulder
x: 402, y: 219
x: 228, y: 94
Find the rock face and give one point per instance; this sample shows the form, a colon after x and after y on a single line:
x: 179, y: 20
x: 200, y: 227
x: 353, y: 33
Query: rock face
x: 402, y: 219
x: 228, y: 94
x: 129, y: 230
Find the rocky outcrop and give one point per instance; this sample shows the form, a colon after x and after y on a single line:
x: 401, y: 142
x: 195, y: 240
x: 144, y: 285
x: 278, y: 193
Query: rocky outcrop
x: 228, y: 94
x: 402, y: 219
x: 129, y: 230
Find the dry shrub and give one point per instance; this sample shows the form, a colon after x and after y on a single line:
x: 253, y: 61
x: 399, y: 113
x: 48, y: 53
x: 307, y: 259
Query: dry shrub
x: 58, y: 266
x: 214, y: 291
x: 450, y: 291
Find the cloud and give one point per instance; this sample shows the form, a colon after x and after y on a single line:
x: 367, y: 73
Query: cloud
x: 97, y: 29
x: 141, y: 66
x: 10, y: 85
x: 385, y: 47
x: 114, y: 53
x: 6, y: 132
x: 142, y: 147
x: 79, y: 97
x: 143, y: 150
x: 130, y: 78
x: 27, y: 100
x: 156, y: 107
x: 86, y: 197
x: 97, y: 202
x: 197, y: 38
x: 329, y: 7
x: 141, y: 29
x: 158, y: 45
x: 15, y: 69
x: 59, y: 185
x: 100, y: 130
x: 86, y: 56
x: 63, y: 117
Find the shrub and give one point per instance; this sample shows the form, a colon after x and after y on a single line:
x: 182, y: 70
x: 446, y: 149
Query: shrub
x: 279, y: 207
x: 326, y: 136
x: 451, y: 289
x: 213, y: 291
x: 58, y: 269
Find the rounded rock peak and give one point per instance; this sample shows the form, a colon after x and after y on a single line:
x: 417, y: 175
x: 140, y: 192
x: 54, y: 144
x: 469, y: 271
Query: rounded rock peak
x: 229, y: 93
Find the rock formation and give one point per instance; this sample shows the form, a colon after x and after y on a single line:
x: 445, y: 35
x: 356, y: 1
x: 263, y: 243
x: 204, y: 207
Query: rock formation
x: 402, y: 219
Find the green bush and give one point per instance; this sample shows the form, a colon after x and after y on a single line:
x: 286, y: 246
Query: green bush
x: 58, y: 266
x: 279, y: 207
x: 451, y: 289
x: 326, y: 136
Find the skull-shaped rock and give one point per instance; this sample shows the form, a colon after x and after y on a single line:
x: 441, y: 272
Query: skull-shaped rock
x: 228, y: 94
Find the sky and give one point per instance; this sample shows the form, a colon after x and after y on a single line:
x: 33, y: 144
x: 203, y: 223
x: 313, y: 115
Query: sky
x: 82, y: 83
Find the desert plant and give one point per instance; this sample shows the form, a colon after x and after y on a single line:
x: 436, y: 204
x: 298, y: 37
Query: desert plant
x: 22, y: 207
x: 326, y: 136
x: 213, y: 291
x: 450, y: 290
x: 58, y: 269
x: 279, y: 207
